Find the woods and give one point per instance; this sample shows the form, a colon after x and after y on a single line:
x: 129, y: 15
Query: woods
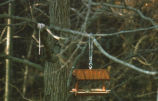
x: 43, y: 41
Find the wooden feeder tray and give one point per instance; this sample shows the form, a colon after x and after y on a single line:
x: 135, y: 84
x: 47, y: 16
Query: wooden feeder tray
x: 90, y: 74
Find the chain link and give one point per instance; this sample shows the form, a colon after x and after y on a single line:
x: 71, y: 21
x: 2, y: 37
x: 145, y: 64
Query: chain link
x: 90, y: 51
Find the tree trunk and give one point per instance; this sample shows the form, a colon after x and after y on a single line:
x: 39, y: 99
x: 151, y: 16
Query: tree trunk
x: 55, y: 79
x: 8, y: 52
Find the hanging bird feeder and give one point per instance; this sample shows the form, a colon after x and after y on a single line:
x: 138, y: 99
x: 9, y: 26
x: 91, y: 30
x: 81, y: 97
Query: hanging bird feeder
x: 90, y: 75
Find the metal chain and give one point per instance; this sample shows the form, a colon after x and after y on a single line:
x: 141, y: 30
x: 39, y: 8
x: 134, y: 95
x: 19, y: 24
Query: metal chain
x: 90, y: 52
x: 40, y: 26
x: 39, y: 44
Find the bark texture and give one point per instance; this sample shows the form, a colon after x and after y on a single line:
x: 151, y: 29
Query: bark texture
x: 55, y: 79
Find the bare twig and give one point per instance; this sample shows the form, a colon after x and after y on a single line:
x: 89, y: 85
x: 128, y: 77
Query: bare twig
x: 84, y: 26
x: 2, y: 33
x: 15, y: 24
x: 129, y: 8
x: 18, y: 90
x: 24, y: 61
x: 6, y: 2
x: 122, y: 62
x: 102, y: 35
x: 41, y: 12
x: 69, y: 60
x: 74, y: 65
x: 77, y: 13
x: 135, y: 52
x: 17, y: 17
x: 126, y: 31
x: 53, y: 35
x: 146, y: 94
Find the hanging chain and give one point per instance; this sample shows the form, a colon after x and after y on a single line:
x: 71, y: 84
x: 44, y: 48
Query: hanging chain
x: 90, y: 52
x: 39, y: 39
x: 40, y: 27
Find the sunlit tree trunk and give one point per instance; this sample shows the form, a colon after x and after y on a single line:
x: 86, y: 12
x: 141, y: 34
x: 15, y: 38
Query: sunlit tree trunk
x: 8, y: 52
x: 55, y: 79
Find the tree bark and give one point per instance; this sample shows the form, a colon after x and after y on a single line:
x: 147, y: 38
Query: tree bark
x: 55, y: 79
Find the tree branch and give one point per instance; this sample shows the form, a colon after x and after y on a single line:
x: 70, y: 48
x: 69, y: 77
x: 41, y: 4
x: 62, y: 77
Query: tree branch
x: 17, y: 17
x: 122, y: 62
x: 6, y: 2
x: 126, y: 31
x: 103, y: 34
x: 77, y: 32
x: 129, y: 8
x: 24, y: 61
x: 84, y: 25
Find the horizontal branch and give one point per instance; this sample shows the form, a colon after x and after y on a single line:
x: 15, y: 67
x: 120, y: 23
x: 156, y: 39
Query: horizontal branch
x: 122, y: 62
x: 24, y: 61
x: 77, y: 32
x: 129, y: 8
x: 15, y: 24
x: 103, y: 34
x: 126, y: 31
x: 6, y: 2
x: 17, y: 17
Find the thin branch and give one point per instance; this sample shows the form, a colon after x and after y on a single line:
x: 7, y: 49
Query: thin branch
x: 69, y: 31
x: 122, y: 62
x: 15, y: 24
x: 55, y: 36
x: 77, y: 32
x: 103, y: 34
x: 77, y: 13
x: 24, y: 61
x: 74, y: 65
x: 2, y: 33
x: 69, y: 60
x: 17, y: 17
x: 41, y: 12
x: 84, y: 26
x: 126, y: 31
x: 142, y: 52
x: 18, y: 90
x: 146, y: 94
x: 129, y: 8
x: 6, y: 2
x: 71, y: 57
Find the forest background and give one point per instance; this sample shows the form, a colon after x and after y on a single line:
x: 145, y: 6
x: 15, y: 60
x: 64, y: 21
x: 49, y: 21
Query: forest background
x: 36, y: 62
